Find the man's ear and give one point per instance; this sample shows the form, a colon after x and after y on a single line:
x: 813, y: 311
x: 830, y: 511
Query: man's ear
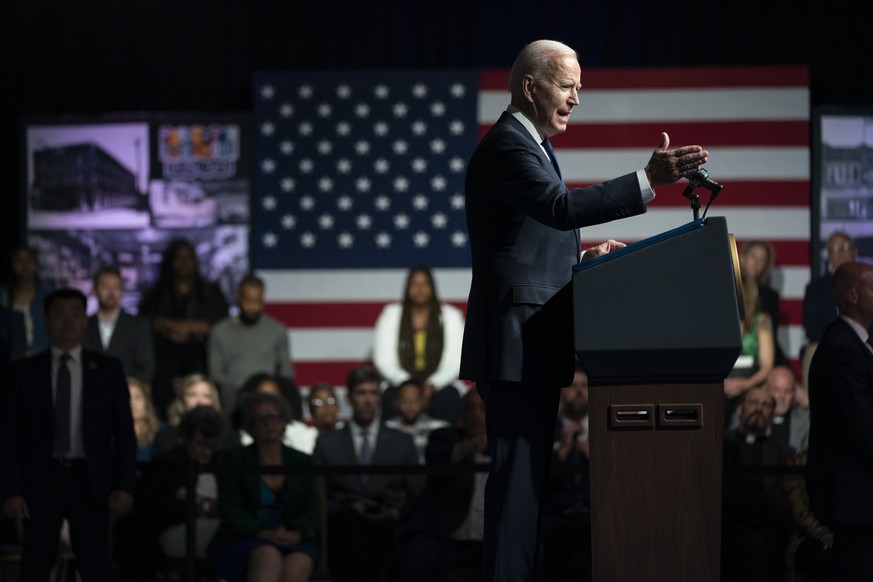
x: 528, y: 85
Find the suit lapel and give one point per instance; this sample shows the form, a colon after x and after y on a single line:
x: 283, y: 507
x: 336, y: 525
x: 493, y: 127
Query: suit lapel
x: 92, y: 332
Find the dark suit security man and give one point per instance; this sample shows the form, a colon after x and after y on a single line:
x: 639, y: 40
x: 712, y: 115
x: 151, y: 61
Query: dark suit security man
x: 68, y: 445
x: 840, y: 468
x: 522, y: 223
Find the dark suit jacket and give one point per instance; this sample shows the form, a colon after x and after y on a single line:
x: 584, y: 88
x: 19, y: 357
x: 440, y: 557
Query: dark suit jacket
x: 445, y: 501
x: 393, y: 447
x: 28, y: 417
x: 521, y: 221
x: 840, y: 466
x: 819, y: 307
x: 131, y: 342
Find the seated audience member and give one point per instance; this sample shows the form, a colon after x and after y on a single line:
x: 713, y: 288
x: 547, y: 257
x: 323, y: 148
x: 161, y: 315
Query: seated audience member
x: 182, y: 307
x: 839, y: 475
x: 194, y: 390
x: 790, y: 421
x: 364, y: 510
x: 250, y: 343
x: 420, y: 339
x: 809, y: 558
x: 117, y: 333
x: 412, y: 419
x: 565, y: 546
x: 757, y: 355
x: 145, y: 421
x: 444, y: 529
x: 25, y: 293
x: 156, y: 527
x: 757, y: 259
x: 756, y: 518
x: 324, y: 408
x: 297, y: 434
x: 269, y: 522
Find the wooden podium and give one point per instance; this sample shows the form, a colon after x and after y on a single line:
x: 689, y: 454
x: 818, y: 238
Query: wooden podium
x: 657, y: 329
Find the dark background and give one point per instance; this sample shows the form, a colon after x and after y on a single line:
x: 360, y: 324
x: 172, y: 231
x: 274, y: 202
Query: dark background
x: 77, y: 58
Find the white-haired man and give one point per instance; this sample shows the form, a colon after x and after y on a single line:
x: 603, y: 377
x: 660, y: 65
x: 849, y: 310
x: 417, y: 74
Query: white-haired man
x: 522, y: 222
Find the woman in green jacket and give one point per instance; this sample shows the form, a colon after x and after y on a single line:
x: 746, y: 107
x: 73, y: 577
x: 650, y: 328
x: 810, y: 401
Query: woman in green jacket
x: 268, y: 522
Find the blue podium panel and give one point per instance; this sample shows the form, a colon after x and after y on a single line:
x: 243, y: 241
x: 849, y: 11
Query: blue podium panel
x: 665, y: 307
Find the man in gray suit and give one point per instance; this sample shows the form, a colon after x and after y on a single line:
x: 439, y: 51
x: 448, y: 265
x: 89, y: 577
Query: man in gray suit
x: 116, y: 333
x: 522, y: 223
x: 364, y: 510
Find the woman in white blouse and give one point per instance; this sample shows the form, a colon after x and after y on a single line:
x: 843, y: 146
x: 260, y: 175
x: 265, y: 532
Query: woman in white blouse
x: 420, y: 339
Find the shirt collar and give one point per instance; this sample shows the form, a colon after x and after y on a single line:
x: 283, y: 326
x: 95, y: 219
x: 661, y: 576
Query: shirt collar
x: 75, y: 354
x: 857, y: 327
x: 527, y: 122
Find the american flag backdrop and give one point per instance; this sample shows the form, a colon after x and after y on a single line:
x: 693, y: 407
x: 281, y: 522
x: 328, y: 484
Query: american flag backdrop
x: 359, y: 176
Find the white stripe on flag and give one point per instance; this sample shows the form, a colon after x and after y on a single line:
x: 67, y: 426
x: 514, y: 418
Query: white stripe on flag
x: 642, y: 105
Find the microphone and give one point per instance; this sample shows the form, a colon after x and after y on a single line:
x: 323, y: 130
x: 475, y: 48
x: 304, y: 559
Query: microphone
x: 702, y: 180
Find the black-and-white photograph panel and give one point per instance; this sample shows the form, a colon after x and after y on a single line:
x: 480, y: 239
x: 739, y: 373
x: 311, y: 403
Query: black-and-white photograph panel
x: 846, y: 181
x: 71, y: 258
x: 87, y: 176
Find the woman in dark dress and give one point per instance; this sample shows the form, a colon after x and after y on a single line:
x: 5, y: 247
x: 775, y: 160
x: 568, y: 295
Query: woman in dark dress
x: 268, y: 522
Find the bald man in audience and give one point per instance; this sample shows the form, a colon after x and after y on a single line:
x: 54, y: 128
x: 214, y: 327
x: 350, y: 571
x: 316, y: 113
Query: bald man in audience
x: 791, y: 420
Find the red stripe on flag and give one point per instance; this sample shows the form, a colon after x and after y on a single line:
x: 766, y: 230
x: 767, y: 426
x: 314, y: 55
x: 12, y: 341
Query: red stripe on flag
x: 672, y: 78
x: 325, y: 315
x: 333, y: 315
x: 790, y: 312
x: 736, y: 193
x: 789, y: 253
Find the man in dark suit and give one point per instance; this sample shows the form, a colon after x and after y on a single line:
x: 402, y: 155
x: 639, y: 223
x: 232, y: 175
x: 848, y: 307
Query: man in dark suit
x: 840, y: 466
x: 522, y: 223
x: 68, y: 445
x: 113, y: 331
x: 444, y: 529
x: 364, y: 510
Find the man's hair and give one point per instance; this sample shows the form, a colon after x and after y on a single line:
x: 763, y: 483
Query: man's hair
x: 252, y: 280
x: 361, y: 374
x: 842, y: 234
x: 414, y: 383
x: 536, y: 59
x: 107, y: 270
x: 64, y: 293
x: 204, y: 423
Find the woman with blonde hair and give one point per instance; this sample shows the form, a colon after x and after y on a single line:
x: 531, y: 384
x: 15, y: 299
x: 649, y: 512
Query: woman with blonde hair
x: 145, y: 422
x: 193, y: 390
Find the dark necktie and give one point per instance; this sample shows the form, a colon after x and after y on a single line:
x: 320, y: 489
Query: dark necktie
x: 366, y: 451
x: 63, y: 388
x: 550, y: 150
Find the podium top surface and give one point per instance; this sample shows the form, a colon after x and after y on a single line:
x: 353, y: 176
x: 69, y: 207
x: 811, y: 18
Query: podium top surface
x: 693, y: 225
